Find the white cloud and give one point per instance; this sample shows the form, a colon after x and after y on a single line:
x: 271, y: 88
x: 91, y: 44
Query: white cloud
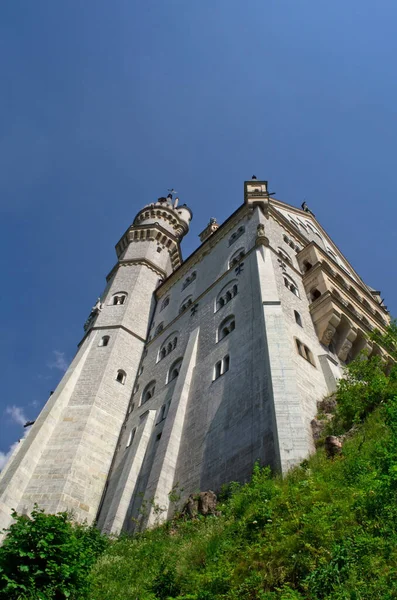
x: 16, y: 413
x: 4, y: 456
x: 59, y: 361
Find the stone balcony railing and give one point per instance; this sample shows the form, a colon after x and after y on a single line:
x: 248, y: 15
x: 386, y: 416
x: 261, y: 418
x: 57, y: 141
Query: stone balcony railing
x: 343, y: 310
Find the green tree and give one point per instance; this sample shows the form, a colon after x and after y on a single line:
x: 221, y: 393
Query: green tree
x: 48, y: 557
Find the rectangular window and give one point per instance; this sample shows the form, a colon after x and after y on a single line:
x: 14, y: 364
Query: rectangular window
x: 218, y: 369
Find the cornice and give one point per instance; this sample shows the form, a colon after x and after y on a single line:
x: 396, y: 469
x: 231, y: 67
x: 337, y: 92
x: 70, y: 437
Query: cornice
x: 107, y: 327
x: 160, y: 210
x: 360, y: 284
x: 137, y: 261
x: 165, y: 238
x: 361, y: 309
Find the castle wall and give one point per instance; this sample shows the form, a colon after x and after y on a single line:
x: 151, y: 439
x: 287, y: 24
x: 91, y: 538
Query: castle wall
x: 260, y: 409
x: 197, y: 408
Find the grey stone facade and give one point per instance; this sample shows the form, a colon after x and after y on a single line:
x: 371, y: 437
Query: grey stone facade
x: 165, y: 393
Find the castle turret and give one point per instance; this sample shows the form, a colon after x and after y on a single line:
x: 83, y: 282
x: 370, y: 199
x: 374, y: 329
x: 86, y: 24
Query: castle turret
x: 64, y: 461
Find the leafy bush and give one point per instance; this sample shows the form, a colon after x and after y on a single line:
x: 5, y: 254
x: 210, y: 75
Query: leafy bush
x: 47, y: 556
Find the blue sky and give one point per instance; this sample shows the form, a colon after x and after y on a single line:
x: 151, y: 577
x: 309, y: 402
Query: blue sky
x: 105, y: 105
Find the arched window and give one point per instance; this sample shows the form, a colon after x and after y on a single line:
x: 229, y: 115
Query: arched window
x: 228, y: 292
x: 185, y: 304
x: 165, y: 303
x: 302, y: 224
x: 305, y: 352
x: 174, y: 370
x: 119, y: 298
x: 131, y: 437
x: 121, y: 376
x: 284, y: 256
x: 307, y: 265
x: 148, y: 392
x: 168, y: 346
x: 104, y: 340
x: 236, y: 257
x: 227, y: 326
x: 291, y: 285
x: 332, y: 254
x: 159, y: 328
x: 189, y: 280
x: 239, y: 232
x: 221, y: 367
x: 298, y: 318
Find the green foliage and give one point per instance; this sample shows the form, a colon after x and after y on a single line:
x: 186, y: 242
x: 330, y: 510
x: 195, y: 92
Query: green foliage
x: 47, y: 556
x: 327, y: 531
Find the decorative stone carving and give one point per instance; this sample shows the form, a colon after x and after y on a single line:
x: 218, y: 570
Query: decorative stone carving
x: 328, y: 335
x: 261, y: 238
x: 345, y: 349
x: 96, y: 309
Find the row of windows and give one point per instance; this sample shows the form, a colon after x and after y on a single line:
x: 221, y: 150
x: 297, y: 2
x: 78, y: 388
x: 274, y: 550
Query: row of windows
x: 150, y: 388
x: 226, y: 294
x: 291, y: 243
x: 236, y: 235
x: 233, y: 261
x: 306, y: 226
x: 221, y: 367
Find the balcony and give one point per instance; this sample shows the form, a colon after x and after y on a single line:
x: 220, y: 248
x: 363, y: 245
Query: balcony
x: 342, y: 309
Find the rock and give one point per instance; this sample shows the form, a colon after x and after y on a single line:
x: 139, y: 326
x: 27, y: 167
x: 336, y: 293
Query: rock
x: 318, y: 426
x: 327, y: 405
x: 203, y: 503
x: 333, y: 446
x: 207, y: 503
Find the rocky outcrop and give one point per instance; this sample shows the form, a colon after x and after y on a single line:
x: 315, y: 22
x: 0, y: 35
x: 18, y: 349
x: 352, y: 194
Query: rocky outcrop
x: 333, y: 446
x: 203, y: 503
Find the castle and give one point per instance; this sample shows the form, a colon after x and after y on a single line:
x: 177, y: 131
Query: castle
x: 190, y: 371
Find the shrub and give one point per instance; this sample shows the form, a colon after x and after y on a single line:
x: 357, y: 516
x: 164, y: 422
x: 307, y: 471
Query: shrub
x: 47, y: 556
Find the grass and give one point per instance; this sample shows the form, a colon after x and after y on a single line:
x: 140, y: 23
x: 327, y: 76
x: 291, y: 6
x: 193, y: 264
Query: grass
x: 326, y: 531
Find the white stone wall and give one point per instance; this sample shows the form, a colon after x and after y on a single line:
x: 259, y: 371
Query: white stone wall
x: 64, y: 461
x: 195, y: 433
x: 259, y: 410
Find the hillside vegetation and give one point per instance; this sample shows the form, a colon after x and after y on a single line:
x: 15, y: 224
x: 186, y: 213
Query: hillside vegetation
x: 326, y: 531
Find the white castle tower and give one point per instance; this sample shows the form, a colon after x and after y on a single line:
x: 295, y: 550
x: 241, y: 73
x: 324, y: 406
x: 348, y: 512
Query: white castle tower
x: 191, y: 371
x: 64, y: 461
